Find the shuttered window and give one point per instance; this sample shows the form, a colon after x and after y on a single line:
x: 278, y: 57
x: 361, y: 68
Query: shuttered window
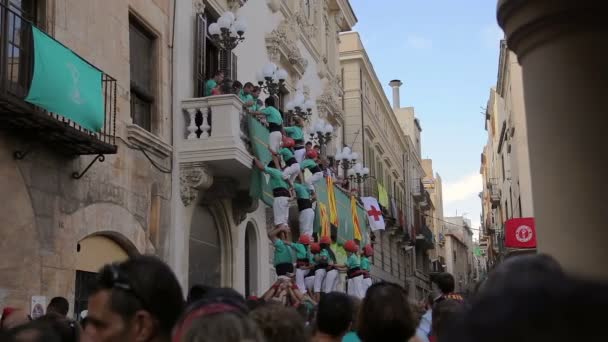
x: 141, y: 52
x: 200, y: 55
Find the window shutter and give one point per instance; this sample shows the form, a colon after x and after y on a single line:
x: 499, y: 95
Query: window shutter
x: 225, y: 63
x: 200, y: 54
x: 233, y: 69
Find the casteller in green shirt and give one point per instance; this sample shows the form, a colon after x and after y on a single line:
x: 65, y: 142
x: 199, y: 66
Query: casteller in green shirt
x: 282, y: 253
x: 364, y: 263
x: 308, y: 164
x: 301, y: 251
x: 276, y: 178
x: 273, y: 115
x: 286, y: 153
x: 294, y: 132
x: 209, y: 86
x: 353, y: 261
x: 302, y: 191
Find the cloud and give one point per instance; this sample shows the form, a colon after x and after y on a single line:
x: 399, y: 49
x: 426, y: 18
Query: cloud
x: 418, y: 42
x: 491, y: 36
x: 462, y: 189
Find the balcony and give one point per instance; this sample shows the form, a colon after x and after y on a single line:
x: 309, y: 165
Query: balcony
x: 216, y: 137
x: 494, y: 192
x: 418, y: 191
x: 65, y: 131
x: 425, y: 238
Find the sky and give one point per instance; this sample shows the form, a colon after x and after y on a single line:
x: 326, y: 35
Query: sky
x: 446, y: 54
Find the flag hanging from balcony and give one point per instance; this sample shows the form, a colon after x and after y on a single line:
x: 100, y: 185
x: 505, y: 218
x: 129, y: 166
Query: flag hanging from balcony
x: 374, y: 215
x: 325, y: 226
x: 65, y: 84
x: 520, y: 233
x: 259, y: 187
x: 356, y: 226
x: 382, y: 196
x: 331, y: 198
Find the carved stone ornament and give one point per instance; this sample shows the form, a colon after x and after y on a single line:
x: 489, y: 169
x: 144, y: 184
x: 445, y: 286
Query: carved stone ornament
x: 199, y: 6
x: 328, y: 103
x: 274, y: 5
x: 234, y: 5
x: 193, y: 177
x: 281, y: 42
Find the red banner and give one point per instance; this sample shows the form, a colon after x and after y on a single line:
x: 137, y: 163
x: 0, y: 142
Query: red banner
x: 520, y: 233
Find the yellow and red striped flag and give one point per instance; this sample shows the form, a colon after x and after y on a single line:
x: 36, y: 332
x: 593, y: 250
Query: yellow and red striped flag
x: 356, y: 226
x: 331, y: 198
x: 325, y: 227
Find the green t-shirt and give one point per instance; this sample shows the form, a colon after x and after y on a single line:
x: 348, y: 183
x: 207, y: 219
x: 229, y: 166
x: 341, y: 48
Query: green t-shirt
x: 364, y: 263
x: 272, y: 115
x: 308, y: 164
x: 325, y: 255
x: 302, y: 191
x: 246, y: 97
x: 256, y: 106
x: 282, y: 253
x: 276, y: 178
x: 286, y: 153
x: 209, y: 85
x: 311, y: 259
x: 351, y: 337
x: 353, y: 261
x: 301, y: 251
x: 294, y: 132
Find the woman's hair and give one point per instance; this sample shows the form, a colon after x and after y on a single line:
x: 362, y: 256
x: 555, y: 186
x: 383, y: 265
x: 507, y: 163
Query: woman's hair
x: 279, y: 323
x: 385, y: 314
x: 223, y: 327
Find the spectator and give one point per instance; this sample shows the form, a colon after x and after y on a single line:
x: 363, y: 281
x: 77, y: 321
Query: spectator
x: 59, y: 306
x: 385, y: 315
x: 213, y: 82
x: 32, y: 332
x: 68, y: 330
x: 334, y: 317
x: 246, y: 95
x: 352, y: 336
x: 225, y: 87
x: 13, y: 317
x: 445, y: 314
x: 217, y: 318
x: 136, y: 300
x: 197, y: 292
x: 445, y: 282
x: 424, y: 327
x: 279, y: 323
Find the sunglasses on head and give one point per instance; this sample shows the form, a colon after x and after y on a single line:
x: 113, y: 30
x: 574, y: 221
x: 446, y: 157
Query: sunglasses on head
x: 113, y: 277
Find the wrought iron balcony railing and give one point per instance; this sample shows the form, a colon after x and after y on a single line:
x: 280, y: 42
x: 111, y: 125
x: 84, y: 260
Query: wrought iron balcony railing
x: 31, y: 122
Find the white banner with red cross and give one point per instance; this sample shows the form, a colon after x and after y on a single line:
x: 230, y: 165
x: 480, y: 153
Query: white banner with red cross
x: 374, y: 214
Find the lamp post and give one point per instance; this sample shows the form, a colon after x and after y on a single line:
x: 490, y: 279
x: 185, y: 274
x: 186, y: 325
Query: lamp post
x: 321, y: 133
x: 347, y: 159
x: 271, y: 78
x: 358, y: 174
x: 300, y: 106
x: 227, y: 33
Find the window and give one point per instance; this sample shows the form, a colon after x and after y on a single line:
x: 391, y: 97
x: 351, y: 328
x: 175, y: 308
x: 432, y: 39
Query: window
x: 28, y: 9
x: 85, y: 282
x: 506, y: 210
x: 502, y: 157
x: 141, y: 52
x: 519, y: 203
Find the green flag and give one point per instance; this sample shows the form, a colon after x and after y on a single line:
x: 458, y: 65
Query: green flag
x: 259, y: 135
x: 65, y: 84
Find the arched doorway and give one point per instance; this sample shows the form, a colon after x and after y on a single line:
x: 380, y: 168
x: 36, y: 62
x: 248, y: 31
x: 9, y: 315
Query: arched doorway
x: 205, y: 252
x: 92, y: 253
x: 251, y: 257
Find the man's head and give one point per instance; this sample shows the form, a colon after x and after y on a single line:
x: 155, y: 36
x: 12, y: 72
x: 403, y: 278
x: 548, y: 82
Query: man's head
x: 334, y: 314
x: 270, y: 102
x: 248, y: 88
x: 279, y: 323
x: 308, y: 146
x: 445, y: 282
x: 136, y: 300
x: 256, y: 91
x: 59, y: 306
x: 197, y: 292
x: 237, y: 86
x: 218, y: 76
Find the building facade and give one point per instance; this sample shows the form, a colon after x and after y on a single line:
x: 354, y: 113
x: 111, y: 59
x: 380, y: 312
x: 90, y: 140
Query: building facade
x: 372, y: 128
x: 433, y: 184
x: 505, y: 161
x: 459, y: 252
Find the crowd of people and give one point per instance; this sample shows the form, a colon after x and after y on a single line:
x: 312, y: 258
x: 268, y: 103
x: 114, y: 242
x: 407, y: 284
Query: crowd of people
x: 527, y: 298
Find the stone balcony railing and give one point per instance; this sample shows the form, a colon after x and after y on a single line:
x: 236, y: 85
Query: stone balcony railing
x: 215, y: 137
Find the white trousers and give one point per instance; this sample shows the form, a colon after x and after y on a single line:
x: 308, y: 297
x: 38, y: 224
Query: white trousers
x: 356, y: 287
x: 291, y: 172
x: 307, y: 219
x: 331, y: 281
x: 319, y: 278
x: 300, y: 154
x: 313, y: 179
x: 280, y: 210
x: 274, y: 141
x: 367, y: 282
x: 300, y: 274
x: 310, y: 283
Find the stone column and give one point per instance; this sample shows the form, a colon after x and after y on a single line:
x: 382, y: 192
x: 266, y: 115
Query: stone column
x: 561, y: 45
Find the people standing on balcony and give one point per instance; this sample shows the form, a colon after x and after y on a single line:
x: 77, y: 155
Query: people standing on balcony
x: 213, y: 82
x: 307, y: 214
x: 225, y: 87
x: 302, y: 260
x: 331, y: 277
x: 283, y: 257
x: 280, y: 191
x: 246, y: 95
x: 275, y: 126
x: 296, y: 133
x: 258, y: 104
x: 310, y: 163
x: 354, y: 273
x: 368, y: 252
x: 292, y: 167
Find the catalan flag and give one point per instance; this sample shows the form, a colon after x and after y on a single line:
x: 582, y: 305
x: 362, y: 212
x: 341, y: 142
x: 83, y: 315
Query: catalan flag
x: 356, y: 226
x: 331, y: 198
x: 325, y: 226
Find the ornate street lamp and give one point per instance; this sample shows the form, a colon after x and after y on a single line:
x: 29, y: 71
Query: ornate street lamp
x: 271, y: 78
x: 358, y: 174
x: 300, y: 106
x: 320, y: 132
x: 228, y: 31
x: 347, y: 159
